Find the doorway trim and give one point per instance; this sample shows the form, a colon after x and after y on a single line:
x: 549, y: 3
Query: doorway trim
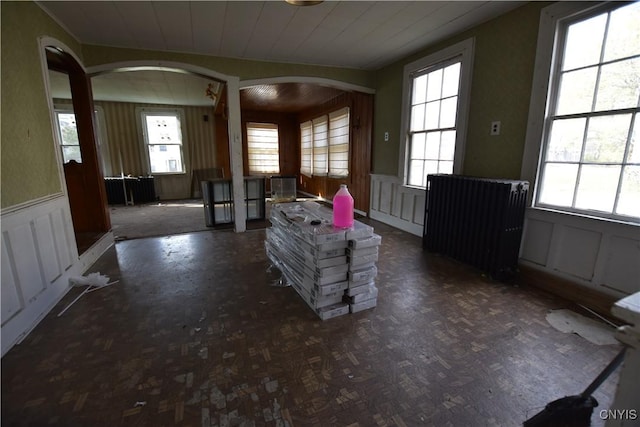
x: 234, y: 124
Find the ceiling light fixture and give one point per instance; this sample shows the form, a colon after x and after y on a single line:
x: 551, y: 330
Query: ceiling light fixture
x: 304, y: 2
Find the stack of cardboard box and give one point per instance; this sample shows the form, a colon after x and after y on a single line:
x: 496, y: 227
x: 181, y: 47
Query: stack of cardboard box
x: 332, y: 269
x: 362, y: 254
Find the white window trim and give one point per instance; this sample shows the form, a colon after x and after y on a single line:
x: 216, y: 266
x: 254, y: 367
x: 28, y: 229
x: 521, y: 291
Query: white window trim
x: 100, y: 129
x: 546, y: 55
x: 143, y: 142
x: 464, y: 49
x: 66, y: 109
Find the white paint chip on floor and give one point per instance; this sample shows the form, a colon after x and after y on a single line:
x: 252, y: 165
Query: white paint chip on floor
x: 592, y: 330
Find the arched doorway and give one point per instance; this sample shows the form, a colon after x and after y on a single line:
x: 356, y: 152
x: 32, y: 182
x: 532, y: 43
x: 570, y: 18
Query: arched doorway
x: 227, y: 129
x: 81, y: 163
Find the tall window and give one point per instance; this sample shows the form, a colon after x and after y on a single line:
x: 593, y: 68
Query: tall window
x: 436, y: 92
x: 163, y: 139
x: 306, y: 148
x: 339, y: 143
x: 320, y: 145
x: 324, y: 145
x: 262, y: 146
x: 68, y: 132
x: 590, y: 161
x: 432, y: 129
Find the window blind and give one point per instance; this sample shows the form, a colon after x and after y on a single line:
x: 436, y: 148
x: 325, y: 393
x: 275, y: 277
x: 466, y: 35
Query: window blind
x: 262, y: 148
x: 339, y: 143
x: 320, y: 145
x: 306, y: 152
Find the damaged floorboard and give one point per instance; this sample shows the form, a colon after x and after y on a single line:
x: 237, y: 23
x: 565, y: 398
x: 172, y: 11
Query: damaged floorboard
x: 194, y: 334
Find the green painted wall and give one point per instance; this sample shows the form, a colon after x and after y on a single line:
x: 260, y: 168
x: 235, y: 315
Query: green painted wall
x: 504, y: 58
x: 29, y: 167
x: 244, y: 69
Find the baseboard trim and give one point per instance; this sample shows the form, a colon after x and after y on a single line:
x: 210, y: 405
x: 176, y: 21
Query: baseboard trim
x: 599, y: 302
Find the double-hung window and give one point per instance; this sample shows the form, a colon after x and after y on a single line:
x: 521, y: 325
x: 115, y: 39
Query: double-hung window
x: 68, y: 133
x: 163, y: 140
x: 590, y: 161
x: 436, y: 93
x: 262, y: 148
x: 324, y: 145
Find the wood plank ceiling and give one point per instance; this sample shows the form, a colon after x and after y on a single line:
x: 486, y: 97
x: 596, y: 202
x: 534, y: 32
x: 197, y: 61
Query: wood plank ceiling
x: 286, y: 97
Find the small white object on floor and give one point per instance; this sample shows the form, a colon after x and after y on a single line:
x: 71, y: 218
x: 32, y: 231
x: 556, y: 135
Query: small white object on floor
x: 592, y: 330
x: 93, y: 281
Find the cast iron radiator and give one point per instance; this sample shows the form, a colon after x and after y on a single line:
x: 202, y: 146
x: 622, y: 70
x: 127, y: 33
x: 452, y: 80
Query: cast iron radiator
x: 136, y: 189
x: 476, y: 220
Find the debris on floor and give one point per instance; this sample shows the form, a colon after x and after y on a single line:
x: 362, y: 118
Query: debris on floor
x: 592, y: 330
x: 92, y: 281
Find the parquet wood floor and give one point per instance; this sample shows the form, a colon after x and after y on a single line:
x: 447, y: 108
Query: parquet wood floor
x: 194, y: 334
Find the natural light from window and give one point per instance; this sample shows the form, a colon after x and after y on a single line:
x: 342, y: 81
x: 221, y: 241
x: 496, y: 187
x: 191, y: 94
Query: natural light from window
x: 163, y: 138
x: 432, y: 128
x: 262, y: 147
x: 591, y: 160
x: 325, y: 145
x: 69, y: 142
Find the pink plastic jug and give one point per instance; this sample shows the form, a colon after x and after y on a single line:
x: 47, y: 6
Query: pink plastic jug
x: 343, y: 208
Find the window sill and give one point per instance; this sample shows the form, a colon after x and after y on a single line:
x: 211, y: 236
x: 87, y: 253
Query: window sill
x: 582, y: 215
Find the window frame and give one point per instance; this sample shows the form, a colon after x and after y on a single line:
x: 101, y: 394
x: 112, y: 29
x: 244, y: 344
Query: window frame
x: 263, y: 125
x: 141, y: 114
x: 61, y: 144
x: 555, y: 20
x: 326, y: 148
x: 464, y: 50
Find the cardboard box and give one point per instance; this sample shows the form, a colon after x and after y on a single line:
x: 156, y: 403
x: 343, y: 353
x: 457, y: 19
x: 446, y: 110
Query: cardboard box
x: 371, y: 292
x: 360, y: 289
x: 362, y: 260
x: 359, y: 231
x: 363, y: 251
x: 363, y: 275
x: 366, y: 242
x: 299, y: 217
x: 332, y: 311
x: 364, y: 305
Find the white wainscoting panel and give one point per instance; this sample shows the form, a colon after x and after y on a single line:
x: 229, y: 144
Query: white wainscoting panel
x: 10, y: 298
x: 39, y: 255
x: 602, y: 255
x: 397, y: 205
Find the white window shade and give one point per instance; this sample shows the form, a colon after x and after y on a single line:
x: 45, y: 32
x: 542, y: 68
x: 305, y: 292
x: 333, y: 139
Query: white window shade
x: 320, y: 146
x: 306, y: 148
x: 262, y: 148
x: 339, y: 143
